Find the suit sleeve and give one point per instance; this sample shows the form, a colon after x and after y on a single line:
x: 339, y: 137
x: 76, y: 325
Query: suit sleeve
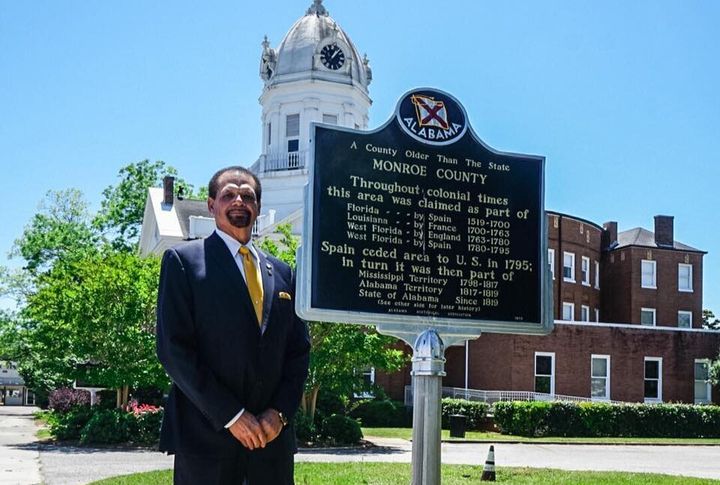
x: 176, y: 349
x: 295, y: 367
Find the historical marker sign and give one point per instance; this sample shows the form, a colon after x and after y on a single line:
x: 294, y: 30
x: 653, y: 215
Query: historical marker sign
x: 420, y: 223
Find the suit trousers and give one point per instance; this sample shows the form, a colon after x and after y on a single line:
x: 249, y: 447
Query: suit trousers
x: 246, y: 468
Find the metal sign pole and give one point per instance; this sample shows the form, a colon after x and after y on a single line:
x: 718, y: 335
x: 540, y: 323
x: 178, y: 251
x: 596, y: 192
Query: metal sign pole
x: 428, y: 369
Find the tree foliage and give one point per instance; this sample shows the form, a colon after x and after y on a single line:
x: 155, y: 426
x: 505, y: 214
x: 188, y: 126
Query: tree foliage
x: 60, y: 230
x: 709, y: 320
x: 84, y: 295
x: 340, y: 353
x: 123, y: 205
x: 98, y: 310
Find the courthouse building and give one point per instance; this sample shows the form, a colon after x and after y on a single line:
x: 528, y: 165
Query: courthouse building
x: 627, y: 304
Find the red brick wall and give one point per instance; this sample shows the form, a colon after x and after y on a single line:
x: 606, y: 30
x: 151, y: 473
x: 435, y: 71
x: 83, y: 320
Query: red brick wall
x: 504, y: 362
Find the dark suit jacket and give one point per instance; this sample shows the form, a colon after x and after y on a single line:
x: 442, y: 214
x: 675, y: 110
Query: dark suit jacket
x: 210, y: 344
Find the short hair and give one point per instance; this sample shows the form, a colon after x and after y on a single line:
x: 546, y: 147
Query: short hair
x: 213, y: 184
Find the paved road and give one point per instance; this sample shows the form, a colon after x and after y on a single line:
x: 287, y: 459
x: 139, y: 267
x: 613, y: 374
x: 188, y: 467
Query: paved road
x: 19, y: 457
x: 22, y: 462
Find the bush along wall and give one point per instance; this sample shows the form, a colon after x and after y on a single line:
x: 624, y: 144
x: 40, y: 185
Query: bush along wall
x: 475, y: 411
x: 595, y: 419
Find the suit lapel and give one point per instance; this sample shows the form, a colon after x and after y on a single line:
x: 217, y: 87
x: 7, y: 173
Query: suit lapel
x: 221, y: 257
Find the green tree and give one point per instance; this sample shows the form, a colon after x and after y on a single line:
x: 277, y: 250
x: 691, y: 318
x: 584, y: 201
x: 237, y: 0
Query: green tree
x: 123, y: 205
x: 99, y: 310
x: 339, y: 352
x: 709, y: 320
x: 60, y: 230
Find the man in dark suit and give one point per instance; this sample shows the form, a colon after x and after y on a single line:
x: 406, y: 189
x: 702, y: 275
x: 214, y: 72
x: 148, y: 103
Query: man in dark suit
x: 237, y: 354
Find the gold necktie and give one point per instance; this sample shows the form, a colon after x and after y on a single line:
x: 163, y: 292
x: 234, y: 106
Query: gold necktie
x: 254, y: 282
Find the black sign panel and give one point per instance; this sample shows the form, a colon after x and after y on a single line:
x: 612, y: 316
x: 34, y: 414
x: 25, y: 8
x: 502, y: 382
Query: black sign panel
x: 421, y: 220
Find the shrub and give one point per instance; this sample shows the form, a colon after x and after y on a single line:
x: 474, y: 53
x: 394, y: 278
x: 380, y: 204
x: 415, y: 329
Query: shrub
x: 109, y: 426
x: 475, y: 411
x: 538, y: 418
x: 329, y: 403
x: 305, y: 430
x: 341, y: 430
x: 381, y: 414
x: 64, y: 399
x: 147, y: 426
x: 68, y: 425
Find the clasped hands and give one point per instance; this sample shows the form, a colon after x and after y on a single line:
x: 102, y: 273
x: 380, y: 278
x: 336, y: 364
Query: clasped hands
x: 257, y: 431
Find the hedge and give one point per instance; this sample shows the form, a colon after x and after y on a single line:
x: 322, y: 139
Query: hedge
x: 595, y: 419
x: 475, y: 411
x: 382, y: 414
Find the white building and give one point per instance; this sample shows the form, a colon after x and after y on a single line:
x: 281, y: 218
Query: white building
x: 316, y: 74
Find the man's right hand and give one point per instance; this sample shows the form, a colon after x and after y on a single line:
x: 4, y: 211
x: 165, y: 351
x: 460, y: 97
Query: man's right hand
x: 248, y: 431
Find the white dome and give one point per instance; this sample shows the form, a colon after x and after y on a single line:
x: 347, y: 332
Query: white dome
x: 299, y: 56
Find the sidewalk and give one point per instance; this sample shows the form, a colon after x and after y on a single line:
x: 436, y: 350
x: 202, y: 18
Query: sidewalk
x: 19, y: 456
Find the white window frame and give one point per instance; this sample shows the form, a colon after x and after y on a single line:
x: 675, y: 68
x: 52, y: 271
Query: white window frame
x: 597, y: 275
x: 570, y: 279
x: 585, y: 270
x: 689, y: 288
x: 688, y: 314
x: 552, y: 370
x: 597, y: 315
x: 571, y: 306
x: 650, y: 284
x: 584, y: 313
x: 605, y: 357
x: 551, y: 261
x: 708, y: 392
x: 654, y: 315
x: 659, y: 379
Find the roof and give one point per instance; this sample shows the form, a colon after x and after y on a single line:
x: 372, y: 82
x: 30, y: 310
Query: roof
x: 185, y: 208
x: 644, y: 238
x: 10, y: 377
x: 297, y: 55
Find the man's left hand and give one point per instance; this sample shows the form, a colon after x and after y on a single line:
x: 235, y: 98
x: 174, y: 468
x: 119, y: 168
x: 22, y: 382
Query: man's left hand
x: 271, y: 424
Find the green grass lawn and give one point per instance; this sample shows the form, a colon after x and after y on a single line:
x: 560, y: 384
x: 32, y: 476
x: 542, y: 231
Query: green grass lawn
x: 406, y: 433
x: 399, y: 474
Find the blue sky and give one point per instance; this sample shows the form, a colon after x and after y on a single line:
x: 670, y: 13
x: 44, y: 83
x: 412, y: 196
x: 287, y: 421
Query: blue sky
x: 620, y: 97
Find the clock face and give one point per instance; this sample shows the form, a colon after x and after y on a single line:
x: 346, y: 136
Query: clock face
x: 332, y: 57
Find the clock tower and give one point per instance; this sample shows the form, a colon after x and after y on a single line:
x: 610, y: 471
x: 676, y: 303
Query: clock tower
x: 316, y: 74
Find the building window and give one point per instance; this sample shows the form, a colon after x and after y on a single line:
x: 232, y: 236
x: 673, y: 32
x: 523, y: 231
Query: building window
x: 647, y: 316
x: 653, y: 379
x: 597, y: 315
x: 684, y: 319
x: 685, y: 277
x: 551, y: 261
x: 568, y: 311
x: 702, y: 384
x: 292, y: 132
x: 569, y: 267
x: 600, y: 377
x: 585, y: 313
x: 585, y: 270
x: 597, y: 275
x: 545, y: 372
x: 648, y: 279
x: 330, y: 119
x: 269, y: 133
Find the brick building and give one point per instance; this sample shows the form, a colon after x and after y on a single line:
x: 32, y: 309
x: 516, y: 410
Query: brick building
x: 655, y: 350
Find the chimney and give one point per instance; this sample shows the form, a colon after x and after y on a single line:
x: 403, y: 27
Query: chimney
x: 609, y: 234
x: 664, y: 236
x: 168, y: 189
